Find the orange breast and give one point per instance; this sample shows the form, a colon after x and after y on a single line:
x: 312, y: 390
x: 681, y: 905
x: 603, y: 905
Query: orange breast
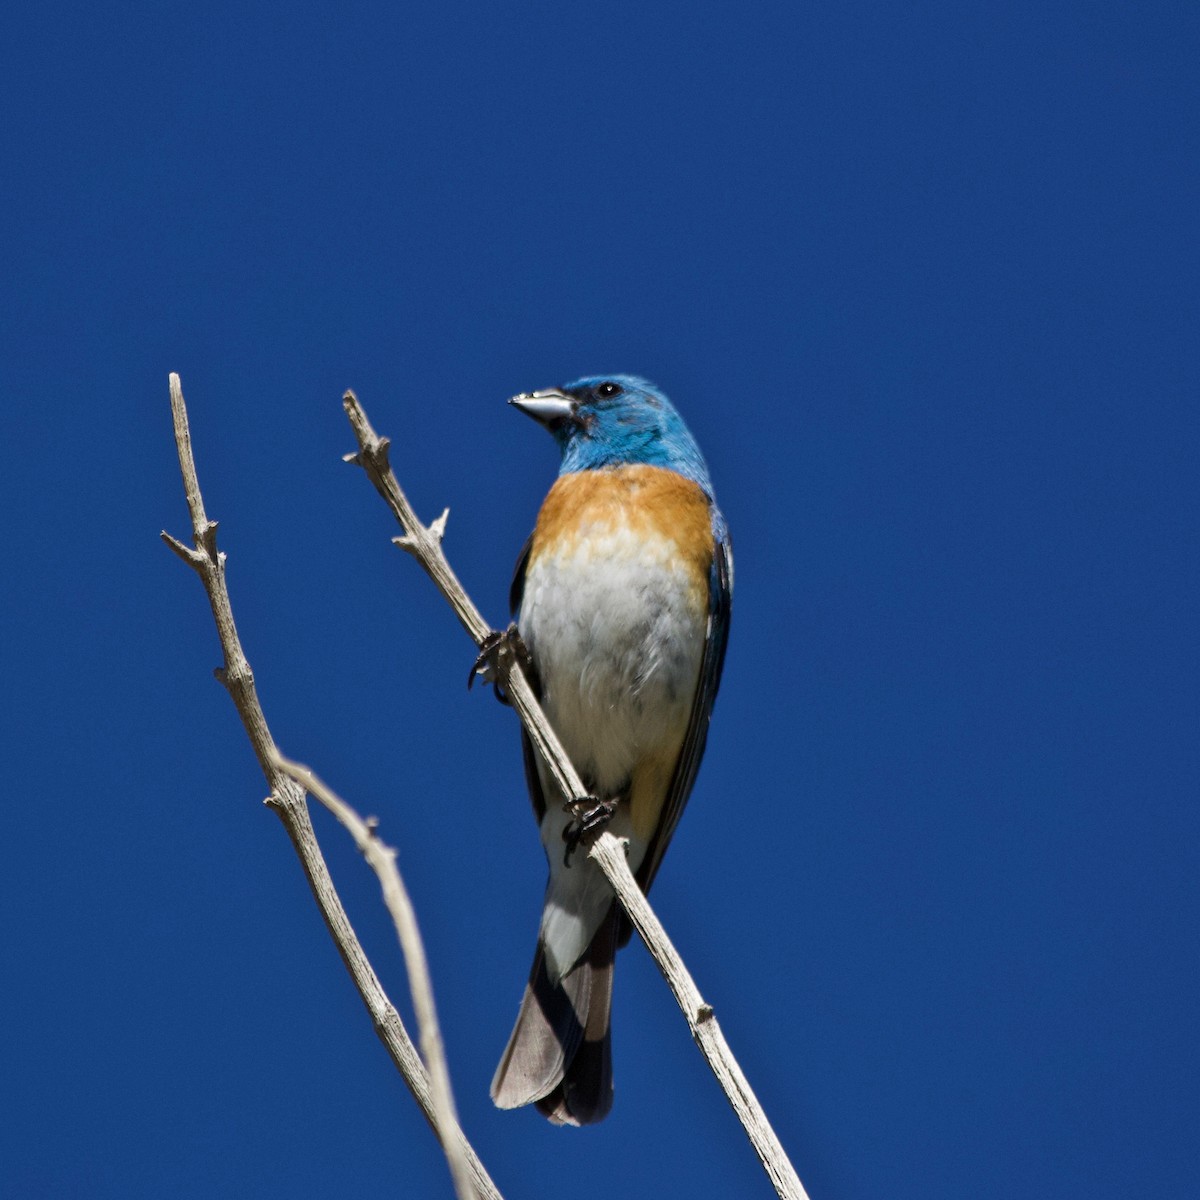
x: 649, y: 502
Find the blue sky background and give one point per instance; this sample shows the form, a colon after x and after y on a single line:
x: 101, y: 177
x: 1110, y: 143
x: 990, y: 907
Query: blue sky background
x: 922, y: 279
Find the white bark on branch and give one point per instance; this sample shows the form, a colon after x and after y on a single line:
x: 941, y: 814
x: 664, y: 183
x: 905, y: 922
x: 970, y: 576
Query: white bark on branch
x: 382, y: 859
x: 288, y: 800
x: 425, y: 544
x: 702, y: 1021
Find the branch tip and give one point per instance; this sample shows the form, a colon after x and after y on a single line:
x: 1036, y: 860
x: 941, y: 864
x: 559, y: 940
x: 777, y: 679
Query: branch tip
x: 207, y: 534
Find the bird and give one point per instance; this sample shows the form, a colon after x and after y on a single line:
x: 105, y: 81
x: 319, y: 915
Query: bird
x: 621, y: 598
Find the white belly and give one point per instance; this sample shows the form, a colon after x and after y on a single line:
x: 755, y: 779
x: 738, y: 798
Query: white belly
x: 616, y: 628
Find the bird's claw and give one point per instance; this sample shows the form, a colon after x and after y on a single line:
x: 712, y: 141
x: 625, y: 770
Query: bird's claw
x: 497, y: 654
x: 589, y: 816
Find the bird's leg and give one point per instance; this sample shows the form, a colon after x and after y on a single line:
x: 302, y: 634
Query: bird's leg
x: 590, y: 815
x: 497, y: 654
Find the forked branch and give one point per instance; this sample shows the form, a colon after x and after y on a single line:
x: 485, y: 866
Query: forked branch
x: 288, y: 783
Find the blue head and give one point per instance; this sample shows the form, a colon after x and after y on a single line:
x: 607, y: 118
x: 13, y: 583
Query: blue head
x: 611, y: 420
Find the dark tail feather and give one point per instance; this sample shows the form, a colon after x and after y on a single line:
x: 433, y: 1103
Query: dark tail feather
x: 559, y: 1056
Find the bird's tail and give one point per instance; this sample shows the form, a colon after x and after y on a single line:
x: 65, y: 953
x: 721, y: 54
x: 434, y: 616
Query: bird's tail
x: 560, y: 1054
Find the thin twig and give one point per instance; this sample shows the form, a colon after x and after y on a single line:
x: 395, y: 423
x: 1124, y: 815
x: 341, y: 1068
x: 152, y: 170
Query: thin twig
x: 288, y: 800
x: 425, y: 544
x: 382, y: 859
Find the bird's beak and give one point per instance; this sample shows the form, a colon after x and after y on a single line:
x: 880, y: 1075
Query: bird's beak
x: 547, y: 407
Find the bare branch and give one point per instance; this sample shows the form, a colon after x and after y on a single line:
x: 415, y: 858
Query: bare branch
x: 422, y: 542
x: 425, y: 544
x: 609, y: 852
x: 288, y: 800
x: 382, y: 859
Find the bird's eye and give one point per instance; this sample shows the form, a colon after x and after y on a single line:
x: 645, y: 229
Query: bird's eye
x: 606, y: 391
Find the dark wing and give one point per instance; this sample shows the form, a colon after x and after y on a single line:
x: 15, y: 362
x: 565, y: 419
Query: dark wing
x: 720, y: 595
x: 532, y: 779
x: 516, y: 589
x: 515, y: 594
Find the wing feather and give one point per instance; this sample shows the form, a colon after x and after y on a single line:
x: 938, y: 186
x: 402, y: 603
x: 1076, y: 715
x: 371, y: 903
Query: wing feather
x: 515, y: 595
x: 720, y: 596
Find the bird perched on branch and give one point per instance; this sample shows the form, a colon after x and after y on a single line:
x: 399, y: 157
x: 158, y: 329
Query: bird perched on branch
x: 622, y: 599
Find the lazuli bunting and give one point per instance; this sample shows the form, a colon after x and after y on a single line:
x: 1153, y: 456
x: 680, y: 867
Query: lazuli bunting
x: 622, y: 598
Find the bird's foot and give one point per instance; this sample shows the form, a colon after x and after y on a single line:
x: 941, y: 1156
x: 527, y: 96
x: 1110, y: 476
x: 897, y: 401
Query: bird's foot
x: 499, y: 651
x: 589, y: 816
